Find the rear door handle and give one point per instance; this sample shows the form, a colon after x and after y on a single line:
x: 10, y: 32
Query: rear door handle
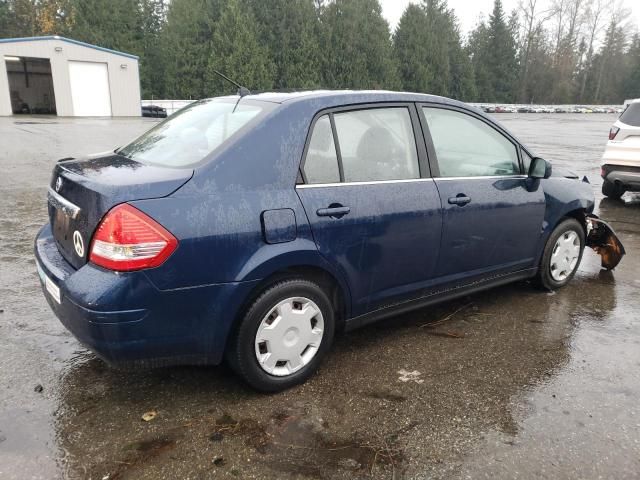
x: 461, y: 200
x: 333, y: 211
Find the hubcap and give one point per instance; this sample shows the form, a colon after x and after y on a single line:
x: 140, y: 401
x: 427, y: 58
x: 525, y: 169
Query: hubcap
x: 564, y: 257
x: 289, y: 336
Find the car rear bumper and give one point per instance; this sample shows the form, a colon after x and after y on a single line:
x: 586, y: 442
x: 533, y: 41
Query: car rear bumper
x: 623, y: 175
x: 127, y: 321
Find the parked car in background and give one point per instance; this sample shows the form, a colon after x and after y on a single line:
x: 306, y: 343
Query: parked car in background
x: 254, y: 228
x: 621, y: 160
x: 154, y: 111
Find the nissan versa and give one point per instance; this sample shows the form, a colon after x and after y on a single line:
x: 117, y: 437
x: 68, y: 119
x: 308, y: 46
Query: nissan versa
x: 252, y: 228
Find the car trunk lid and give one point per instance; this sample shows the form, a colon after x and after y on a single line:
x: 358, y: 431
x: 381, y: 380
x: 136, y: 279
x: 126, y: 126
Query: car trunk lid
x: 83, y: 190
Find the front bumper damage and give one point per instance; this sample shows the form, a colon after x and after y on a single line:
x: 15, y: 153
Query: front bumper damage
x: 605, y: 242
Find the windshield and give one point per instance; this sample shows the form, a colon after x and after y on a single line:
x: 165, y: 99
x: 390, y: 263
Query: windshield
x: 631, y: 116
x: 194, y: 132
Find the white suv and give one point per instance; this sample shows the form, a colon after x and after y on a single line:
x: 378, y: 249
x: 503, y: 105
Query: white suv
x: 621, y: 159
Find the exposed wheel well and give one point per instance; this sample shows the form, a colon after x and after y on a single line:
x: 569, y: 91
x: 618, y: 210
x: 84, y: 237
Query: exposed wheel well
x: 580, y: 215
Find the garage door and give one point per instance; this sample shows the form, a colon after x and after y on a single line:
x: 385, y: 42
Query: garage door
x: 90, y: 89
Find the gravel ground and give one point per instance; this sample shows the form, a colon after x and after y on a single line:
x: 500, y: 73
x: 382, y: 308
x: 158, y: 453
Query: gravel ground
x: 518, y: 383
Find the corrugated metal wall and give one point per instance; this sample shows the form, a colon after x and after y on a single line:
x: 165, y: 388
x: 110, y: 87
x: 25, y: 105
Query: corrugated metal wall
x: 124, y: 80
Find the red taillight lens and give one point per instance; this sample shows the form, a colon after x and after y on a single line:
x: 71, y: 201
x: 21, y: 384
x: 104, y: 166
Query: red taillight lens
x: 613, y: 132
x: 127, y: 239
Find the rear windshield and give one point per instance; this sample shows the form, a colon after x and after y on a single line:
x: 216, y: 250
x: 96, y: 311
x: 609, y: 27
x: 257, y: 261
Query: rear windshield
x: 187, y: 137
x: 631, y: 116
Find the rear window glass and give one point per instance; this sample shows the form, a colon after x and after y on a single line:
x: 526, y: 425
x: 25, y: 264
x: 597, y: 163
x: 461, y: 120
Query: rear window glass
x: 194, y: 132
x: 631, y: 116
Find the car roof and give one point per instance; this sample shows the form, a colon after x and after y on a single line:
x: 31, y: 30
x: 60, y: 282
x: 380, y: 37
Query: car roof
x: 346, y: 97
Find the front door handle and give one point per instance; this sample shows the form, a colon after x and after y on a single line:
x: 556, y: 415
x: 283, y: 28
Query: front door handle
x: 461, y: 200
x: 333, y: 211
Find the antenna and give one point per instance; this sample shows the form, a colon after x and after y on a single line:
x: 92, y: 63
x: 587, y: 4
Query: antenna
x: 242, y: 91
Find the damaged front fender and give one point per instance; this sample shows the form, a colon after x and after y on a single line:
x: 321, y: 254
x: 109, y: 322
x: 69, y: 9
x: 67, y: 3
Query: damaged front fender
x: 605, y: 242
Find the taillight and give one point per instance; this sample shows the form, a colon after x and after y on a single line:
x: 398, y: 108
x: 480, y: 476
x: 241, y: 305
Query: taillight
x: 613, y: 132
x: 127, y: 239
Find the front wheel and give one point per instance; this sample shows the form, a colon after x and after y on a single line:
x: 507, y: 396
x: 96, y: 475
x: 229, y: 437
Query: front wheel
x: 283, y: 336
x: 562, y: 255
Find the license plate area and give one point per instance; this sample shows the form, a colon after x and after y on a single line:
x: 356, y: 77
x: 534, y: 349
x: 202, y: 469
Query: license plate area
x: 49, y: 285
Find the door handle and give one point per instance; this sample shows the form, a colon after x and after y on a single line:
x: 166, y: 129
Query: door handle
x: 333, y: 211
x: 461, y: 200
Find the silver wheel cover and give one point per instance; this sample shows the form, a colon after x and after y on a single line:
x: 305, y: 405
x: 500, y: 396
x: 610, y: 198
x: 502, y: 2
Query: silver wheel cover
x: 289, y: 336
x: 564, y: 256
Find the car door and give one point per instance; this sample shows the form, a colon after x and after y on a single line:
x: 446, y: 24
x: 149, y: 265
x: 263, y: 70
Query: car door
x: 492, y: 212
x: 374, y: 212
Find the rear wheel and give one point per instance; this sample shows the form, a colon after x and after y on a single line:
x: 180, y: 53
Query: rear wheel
x: 562, y: 255
x: 283, y: 336
x: 612, y: 190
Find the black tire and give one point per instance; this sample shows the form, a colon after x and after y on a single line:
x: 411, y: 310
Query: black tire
x: 241, y: 354
x: 611, y: 190
x: 544, y: 277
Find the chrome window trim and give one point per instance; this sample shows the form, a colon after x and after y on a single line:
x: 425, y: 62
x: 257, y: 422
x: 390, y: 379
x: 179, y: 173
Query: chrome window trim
x: 483, y: 176
x: 61, y: 203
x: 373, y: 182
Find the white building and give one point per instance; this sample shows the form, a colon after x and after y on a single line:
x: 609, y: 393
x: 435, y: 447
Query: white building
x: 57, y: 75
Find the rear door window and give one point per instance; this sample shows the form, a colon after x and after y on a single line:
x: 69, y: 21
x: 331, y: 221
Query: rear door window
x: 467, y: 147
x: 321, y: 164
x: 377, y: 144
x: 631, y: 116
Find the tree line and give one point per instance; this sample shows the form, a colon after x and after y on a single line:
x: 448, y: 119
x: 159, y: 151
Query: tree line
x: 545, y: 51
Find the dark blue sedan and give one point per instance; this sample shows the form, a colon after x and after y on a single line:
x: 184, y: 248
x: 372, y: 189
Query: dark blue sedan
x: 254, y: 228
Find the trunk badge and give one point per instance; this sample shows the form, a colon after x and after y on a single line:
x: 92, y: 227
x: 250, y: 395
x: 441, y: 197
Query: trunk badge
x: 58, y: 184
x: 78, y: 243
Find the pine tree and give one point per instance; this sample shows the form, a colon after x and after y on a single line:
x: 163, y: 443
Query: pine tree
x: 152, y: 58
x: 428, y: 47
x: 501, y: 55
x: 356, y: 46
x: 289, y: 29
x: 237, y: 53
x: 632, y: 78
x: 186, y: 42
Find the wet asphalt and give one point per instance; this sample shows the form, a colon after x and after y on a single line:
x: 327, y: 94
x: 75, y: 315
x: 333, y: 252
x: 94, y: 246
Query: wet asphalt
x: 512, y: 383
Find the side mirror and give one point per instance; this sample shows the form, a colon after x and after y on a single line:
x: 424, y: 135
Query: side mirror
x: 539, y: 168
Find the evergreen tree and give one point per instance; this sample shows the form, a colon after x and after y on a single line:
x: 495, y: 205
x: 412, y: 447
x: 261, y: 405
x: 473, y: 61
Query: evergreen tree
x: 152, y: 57
x: 289, y: 29
x: 186, y: 43
x: 412, y: 49
x: 500, y: 56
x: 477, y: 49
x: 5, y: 19
x: 23, y: 16
x: 114, y: 24
x: 429, y: 51
x: 357, y: 47
x: 631, y: 88
x: 237, y: 53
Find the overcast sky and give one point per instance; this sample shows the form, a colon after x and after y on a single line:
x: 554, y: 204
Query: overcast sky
x: 468, y: 11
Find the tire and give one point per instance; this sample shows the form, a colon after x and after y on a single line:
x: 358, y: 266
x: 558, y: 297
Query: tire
x: 611, y: 190
x: 555, y: 273
x: 280, y: 304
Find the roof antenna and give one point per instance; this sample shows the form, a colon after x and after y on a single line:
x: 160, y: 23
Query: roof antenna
x: 242, y: 91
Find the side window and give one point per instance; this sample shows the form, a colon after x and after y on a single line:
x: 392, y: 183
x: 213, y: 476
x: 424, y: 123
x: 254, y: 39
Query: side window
x: 377, y: 144
x: 526, y: 160
x: 321, y: 163
x: 468, y: 147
